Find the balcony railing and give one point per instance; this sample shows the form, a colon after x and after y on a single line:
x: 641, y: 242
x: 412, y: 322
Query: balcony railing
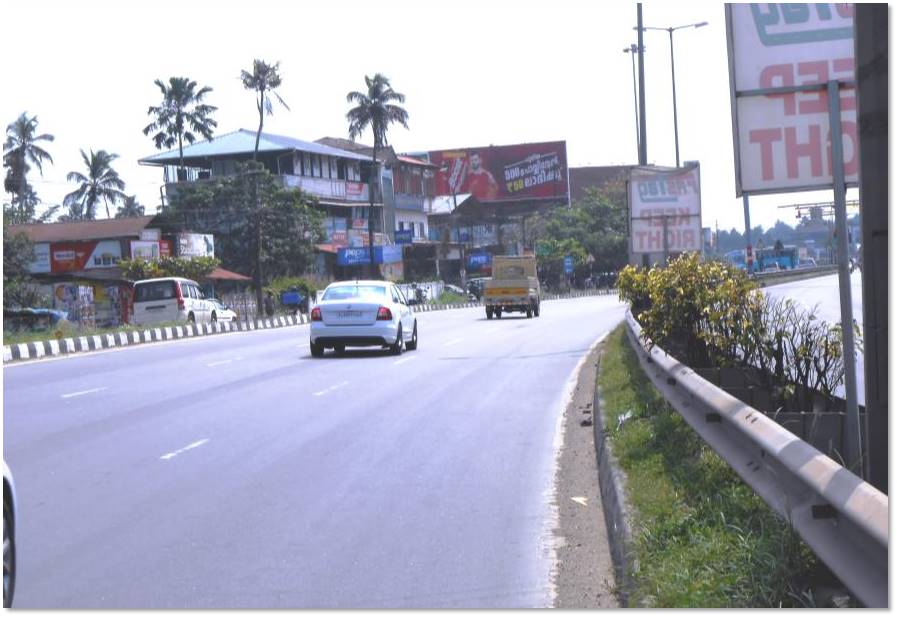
x: 328, y: 187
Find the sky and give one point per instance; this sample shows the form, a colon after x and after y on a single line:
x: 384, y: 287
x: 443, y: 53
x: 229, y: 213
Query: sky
x: 473, y: 73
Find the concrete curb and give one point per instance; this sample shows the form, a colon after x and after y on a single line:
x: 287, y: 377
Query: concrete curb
x: 617, y: 511
x: 80, y: 344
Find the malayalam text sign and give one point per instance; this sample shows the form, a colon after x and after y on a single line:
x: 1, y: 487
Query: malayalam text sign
x: 670, y: 198
x: 783, y: 140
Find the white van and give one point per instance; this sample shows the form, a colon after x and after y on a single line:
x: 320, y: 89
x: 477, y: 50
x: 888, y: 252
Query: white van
x: 170, y: 299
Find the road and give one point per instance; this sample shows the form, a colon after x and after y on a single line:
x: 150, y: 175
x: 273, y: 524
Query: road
x: 237, y: 471
x: 822, y: 293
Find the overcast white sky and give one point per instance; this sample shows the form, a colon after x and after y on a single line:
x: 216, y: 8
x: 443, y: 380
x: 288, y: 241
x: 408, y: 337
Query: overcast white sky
x: 474, y: 74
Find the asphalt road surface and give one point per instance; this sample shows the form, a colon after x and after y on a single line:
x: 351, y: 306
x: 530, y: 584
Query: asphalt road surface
x: 237, y: 471
x: 822, y: 293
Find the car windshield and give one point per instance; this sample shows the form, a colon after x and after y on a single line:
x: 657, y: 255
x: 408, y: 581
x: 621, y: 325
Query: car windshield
x: 352, y: 292
x: 157, y: 290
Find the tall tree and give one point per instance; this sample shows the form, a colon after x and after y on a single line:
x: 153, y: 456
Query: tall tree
x: 264, y: 80
x: 100, y: 183
x: 375, y: 109
x: 181, y: 116
x: 129, y: 208
x: 21, y: 149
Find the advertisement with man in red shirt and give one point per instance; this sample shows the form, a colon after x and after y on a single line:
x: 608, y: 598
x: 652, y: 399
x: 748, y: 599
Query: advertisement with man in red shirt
x: 501, y: 173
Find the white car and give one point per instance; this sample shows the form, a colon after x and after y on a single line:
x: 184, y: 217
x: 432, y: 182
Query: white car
x: 362, y: 314
x: 223, y: 312
x: 171, y: 299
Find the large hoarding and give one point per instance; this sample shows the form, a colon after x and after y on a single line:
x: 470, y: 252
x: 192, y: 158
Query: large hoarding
x: 74, y: 256
x: 782, y: 139
x: 665, y: 198
x: 502, y: 173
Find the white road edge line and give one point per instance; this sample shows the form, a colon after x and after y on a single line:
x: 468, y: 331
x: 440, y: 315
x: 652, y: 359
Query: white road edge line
x: 82, y: 392
x: 220, y: 362
x: 171, y: 455
x: 404, y: 360
x: 331, y: 388
x: 454, y: 342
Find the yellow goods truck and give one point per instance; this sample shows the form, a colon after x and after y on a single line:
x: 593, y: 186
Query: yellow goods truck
x: 514, y: 287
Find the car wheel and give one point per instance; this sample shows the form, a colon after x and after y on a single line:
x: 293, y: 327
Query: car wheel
x: 9, y: 554
x: 412, y: 344
x: 339, y: 349
x: 191, y: 318
x: 214, y: 317
x: 399, y: 346
x: 488, y: 312
x: 317, y: 350
x: 536, y: 309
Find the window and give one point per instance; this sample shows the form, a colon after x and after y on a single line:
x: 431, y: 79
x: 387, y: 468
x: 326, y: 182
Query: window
x: 315, y: 165
x: 352, y: 292
x: 341, y: 169
x: 395, y: 295
x: 334, y: 169
x: 401, y: 225
x: 306, y: 164
x: 421, y: 228
x: 159, y: 290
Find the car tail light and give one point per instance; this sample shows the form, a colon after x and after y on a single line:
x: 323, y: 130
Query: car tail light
x: 316, y: 314
x: 384, y: 314
x: 180, y: 295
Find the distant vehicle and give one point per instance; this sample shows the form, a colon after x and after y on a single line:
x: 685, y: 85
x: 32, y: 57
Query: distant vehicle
x: 455, y: 289
x: 475, y: 287
x: 223, y: 312
x: 9, y: 537
x: 514, y: 287
x: 362, y: 314
x: 785, y: 257
x: 171, y: 299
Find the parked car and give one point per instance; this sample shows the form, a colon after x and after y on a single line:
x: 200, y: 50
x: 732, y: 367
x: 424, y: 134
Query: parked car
x: 171, y: 299
x: 9, y: 537
x: 362, y: 314
x: 222, y: 312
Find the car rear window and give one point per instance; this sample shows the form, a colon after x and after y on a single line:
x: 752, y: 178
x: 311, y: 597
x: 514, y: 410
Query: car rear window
x: 157, y: 290
x: 352, y: 292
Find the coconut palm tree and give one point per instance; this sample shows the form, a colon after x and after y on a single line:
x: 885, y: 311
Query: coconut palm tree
x: 264, y: 78
x: 375, y: 109
x: 181, y: 116
x: 21, y: 148
x: 130, y: 208
x: 100, y: 183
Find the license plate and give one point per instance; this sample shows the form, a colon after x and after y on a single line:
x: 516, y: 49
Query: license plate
x: 348, y: 314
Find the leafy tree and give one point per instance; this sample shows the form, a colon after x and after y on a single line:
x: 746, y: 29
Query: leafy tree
x: 21, y: 149
x: 195, y: 268
x: 259, y: 226
x: 18, y: 253
x: 264, y: 80
x: 100, y: 183
x: 375, y: 109
x: 181, y: 116
x: 130, y: 208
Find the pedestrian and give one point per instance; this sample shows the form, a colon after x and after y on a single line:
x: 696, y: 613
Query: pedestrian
x: 269, y: 304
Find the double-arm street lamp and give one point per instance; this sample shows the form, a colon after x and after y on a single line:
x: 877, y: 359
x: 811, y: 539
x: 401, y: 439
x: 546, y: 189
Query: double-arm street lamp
x: 673, y: 67
x: 633, y: 50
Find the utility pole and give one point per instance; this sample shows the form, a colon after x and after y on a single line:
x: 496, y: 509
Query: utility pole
x: 643, y: 125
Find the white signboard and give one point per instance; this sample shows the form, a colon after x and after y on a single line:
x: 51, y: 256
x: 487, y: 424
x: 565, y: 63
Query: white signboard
x: 41, y: 262
x: 670, y: 198
x: 145, y: 250
x: 196, y: 245
x: 106, y: 254
x: 782, y: 141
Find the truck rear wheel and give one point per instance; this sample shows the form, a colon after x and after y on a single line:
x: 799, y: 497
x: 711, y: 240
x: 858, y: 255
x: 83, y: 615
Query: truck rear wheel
x: 488, y: 312
x: 529, y: 312
x: 498, y: 313
x: 536, y: 309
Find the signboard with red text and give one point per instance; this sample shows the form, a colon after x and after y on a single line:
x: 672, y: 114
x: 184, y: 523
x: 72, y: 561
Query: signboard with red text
x: 782, y: 140
x: 665, y: 199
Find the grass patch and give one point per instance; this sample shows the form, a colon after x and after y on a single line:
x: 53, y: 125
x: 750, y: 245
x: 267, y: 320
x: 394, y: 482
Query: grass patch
x: 449, y: 297
x: 701, y: 537
x: 66, y: 329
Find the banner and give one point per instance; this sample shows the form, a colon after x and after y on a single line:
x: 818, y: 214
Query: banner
x: 661, y: 198
x: 41, y: 262
x: 496, y: 173
x: 358, y: 256
x: 145, y: 249
x: 196, y: 245
x: 782, y: 140
x: 404, y: 236
x: 74, y: 256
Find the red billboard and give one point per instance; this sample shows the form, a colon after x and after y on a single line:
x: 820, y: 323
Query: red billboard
x: 502, y: 173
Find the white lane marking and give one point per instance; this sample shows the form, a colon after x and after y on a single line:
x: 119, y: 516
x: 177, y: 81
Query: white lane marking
x: 220, y: 362
x: 171, y: 455
x: 331, y: 388
x: 404, y: 360
x: 82, y: 392
x: 583, y: 501
x: 454, y: 342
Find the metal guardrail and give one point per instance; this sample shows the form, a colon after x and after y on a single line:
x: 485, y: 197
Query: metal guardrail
x: 786, y: 276
x: 843, y: 519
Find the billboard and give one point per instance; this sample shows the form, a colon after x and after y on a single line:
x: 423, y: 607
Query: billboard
x: 196, y: 245
x: 73, y: 256
x: 146, y: 250
x: 41, y: 262
x: 501, y: 173
x: 357, y: 256
x: 665, y: 197
x: 782, y: 138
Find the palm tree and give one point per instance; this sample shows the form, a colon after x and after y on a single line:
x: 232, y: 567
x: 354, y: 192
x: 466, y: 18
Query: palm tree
x: 130, y: 208
x: 263, y: 78
x: 375, y: 110
x: 181, y: 116
x: 100, y: 183
x: 21, y: 148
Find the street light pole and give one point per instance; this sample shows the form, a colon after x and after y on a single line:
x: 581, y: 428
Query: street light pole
x: 643, y: 127
x: 632, y: 50
x: 673, y: 71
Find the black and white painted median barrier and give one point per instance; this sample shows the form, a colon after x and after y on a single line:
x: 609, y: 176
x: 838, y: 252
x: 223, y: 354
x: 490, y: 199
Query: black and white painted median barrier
x: 842, y: 518
x: 80, y: 344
